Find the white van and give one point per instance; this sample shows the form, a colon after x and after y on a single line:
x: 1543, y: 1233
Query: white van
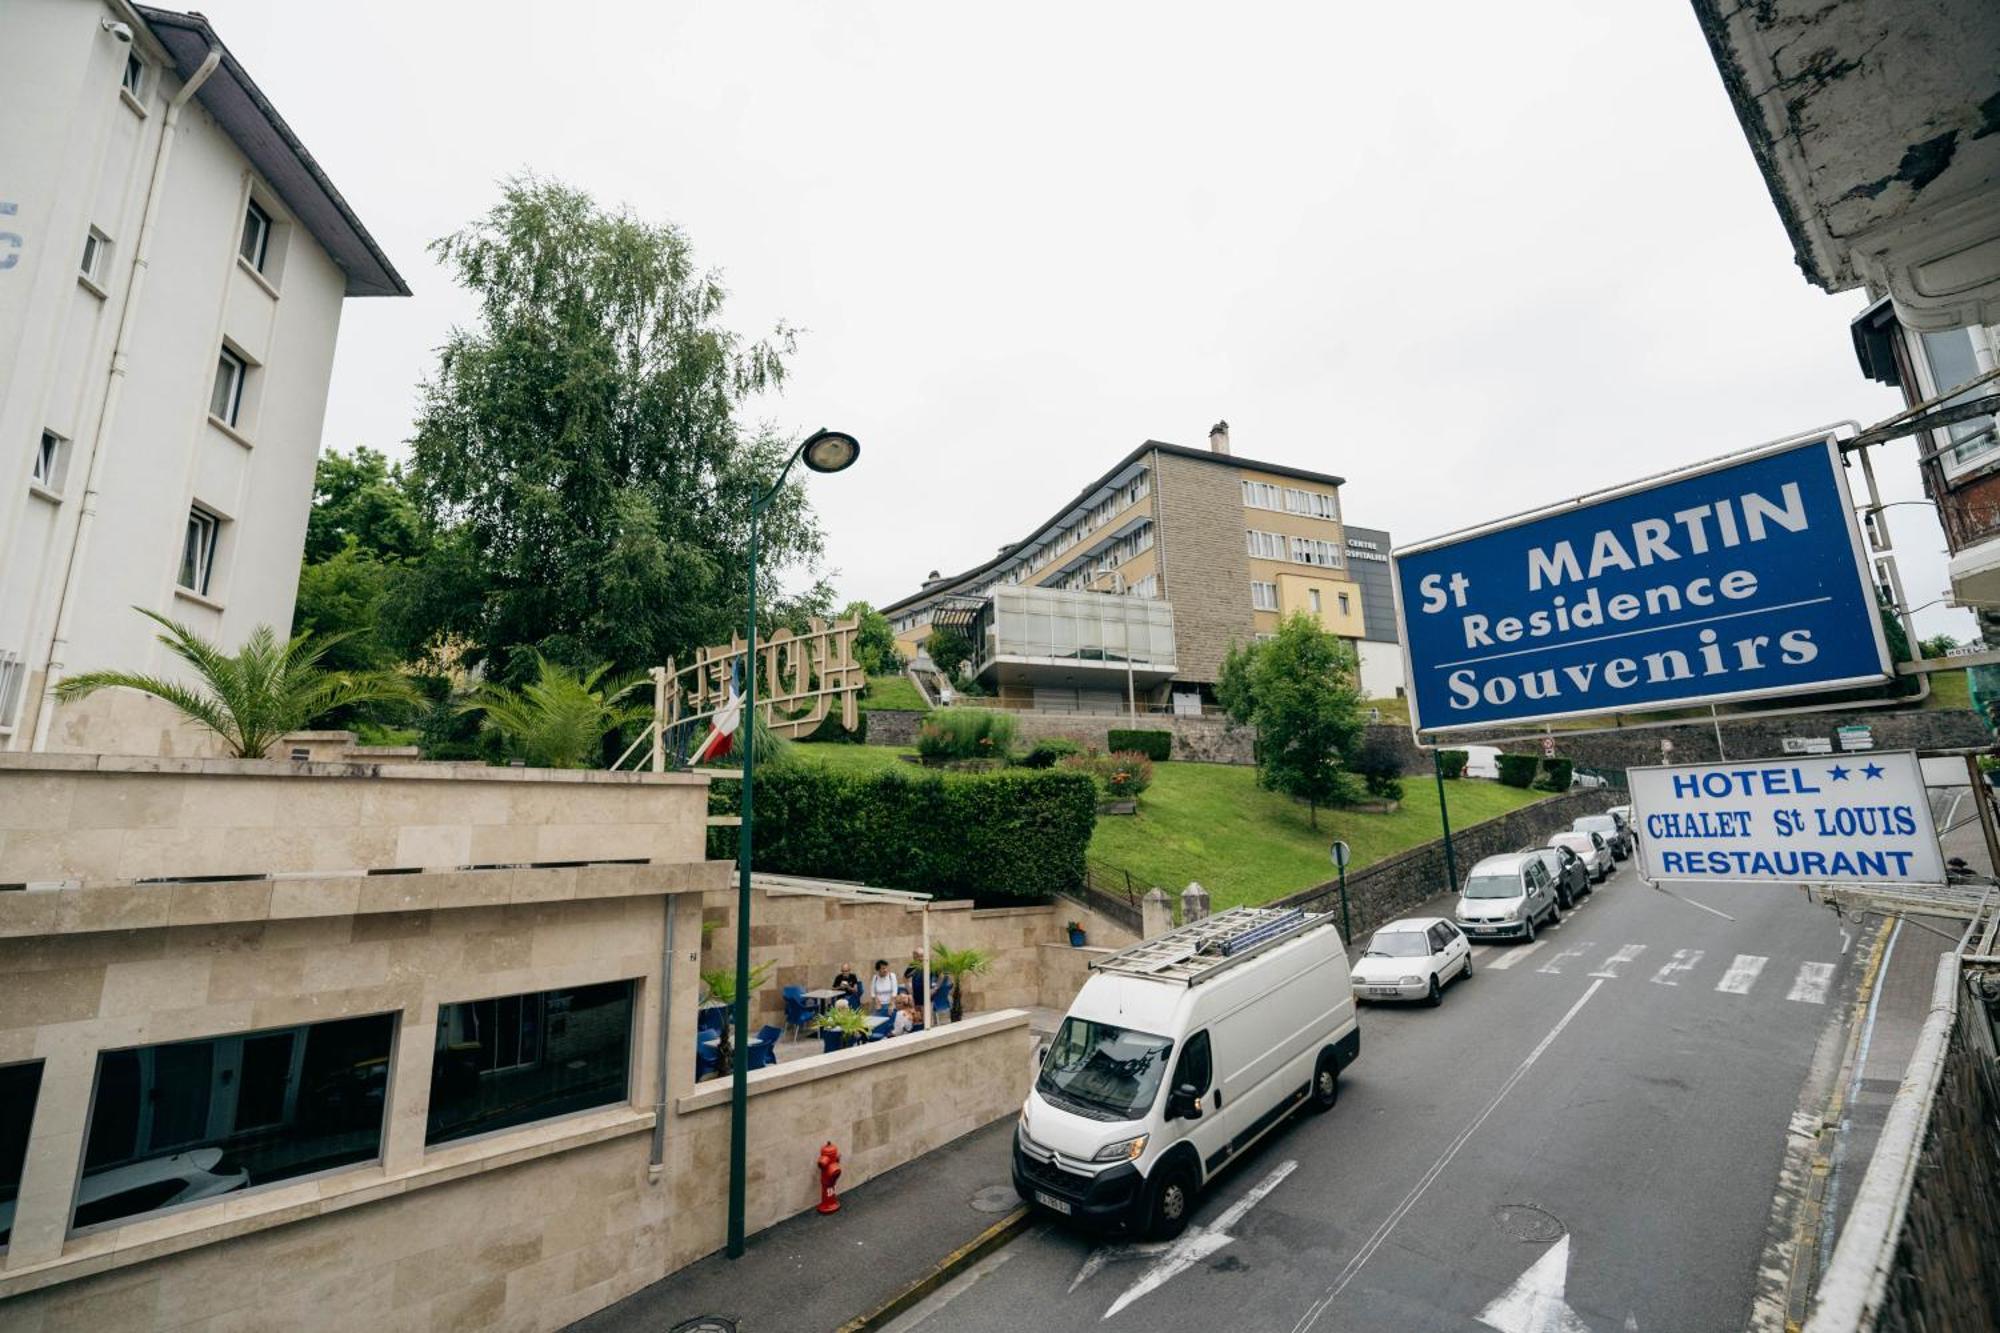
x: 1482, y: 761
x: 1178, y: 1054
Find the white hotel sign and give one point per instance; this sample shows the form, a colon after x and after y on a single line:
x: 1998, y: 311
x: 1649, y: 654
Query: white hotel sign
x: 1802, y: 819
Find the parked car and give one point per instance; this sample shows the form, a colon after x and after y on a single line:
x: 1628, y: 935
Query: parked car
x: 1251, y: 1008
x: 1579, y: 779
x: 1594, y: 851
x: 1565, y: 868
x: 1623, y: 814
x: 1412, y: 959
x: 1506, y: 896
x: 1615, y: 835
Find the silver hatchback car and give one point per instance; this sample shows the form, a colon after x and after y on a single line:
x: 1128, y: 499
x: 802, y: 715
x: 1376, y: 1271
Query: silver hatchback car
x: 1505, y: 897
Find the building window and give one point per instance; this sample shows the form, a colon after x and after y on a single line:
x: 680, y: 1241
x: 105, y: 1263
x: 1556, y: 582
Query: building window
x: 1147, y: 587
x: 519, y: 1058
x: 134, y: 79
x: 1343, y: 602
x: 1313, y: 504
x: 193, y: 1120
x: 1266, y: 545
x: 198, y: 550
x: 1312, y: 596
x: 1313, y: 551
x: 1264, y: 596
x: 1952, y: 360
x: 225, y: 401
x: 18, y: 1086
x: 256, y: 242
x: 13, y: 672
x: 1262, y: 495
x: 51, y: 459
x: 96, y: 257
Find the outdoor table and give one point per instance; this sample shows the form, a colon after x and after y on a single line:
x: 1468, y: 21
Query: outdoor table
x: 822, y: 998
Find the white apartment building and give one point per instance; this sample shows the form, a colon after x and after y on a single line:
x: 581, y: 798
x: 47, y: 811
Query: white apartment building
x: 172, y: 267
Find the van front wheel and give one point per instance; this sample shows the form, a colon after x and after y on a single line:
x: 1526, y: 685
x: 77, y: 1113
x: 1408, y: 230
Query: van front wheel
x: 1326, y: 1081
x: 1171, y: 1200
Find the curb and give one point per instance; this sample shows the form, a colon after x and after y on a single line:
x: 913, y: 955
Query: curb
x: 960, y: 1259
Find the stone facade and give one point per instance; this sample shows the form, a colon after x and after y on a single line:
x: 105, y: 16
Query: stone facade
x: 1398, y: 885
x: 1206, y: 573
x: 528, y: 1227
x: 1756, y: 738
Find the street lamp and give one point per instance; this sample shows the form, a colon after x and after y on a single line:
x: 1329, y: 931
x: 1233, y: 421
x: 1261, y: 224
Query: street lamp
x: 824, y: 451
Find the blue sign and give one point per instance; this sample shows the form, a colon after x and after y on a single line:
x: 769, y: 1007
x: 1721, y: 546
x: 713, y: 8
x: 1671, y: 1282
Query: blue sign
x: 1741, y: 580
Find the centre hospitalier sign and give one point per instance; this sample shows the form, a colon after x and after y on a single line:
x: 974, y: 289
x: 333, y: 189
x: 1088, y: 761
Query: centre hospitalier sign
x: 1816, y: 819
x: 1740, y: 579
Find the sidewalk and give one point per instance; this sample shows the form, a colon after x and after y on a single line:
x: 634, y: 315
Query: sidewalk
x: 815, y: 1273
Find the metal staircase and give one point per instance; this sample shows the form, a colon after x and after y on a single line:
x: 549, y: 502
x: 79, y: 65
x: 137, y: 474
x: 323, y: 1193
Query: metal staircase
x: 1193, y: 953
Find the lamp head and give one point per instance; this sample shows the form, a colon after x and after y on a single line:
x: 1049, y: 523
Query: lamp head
x: 830, y: 450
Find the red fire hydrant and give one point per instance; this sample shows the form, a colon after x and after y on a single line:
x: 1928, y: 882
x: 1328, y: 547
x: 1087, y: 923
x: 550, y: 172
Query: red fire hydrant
x: 829, y: 1171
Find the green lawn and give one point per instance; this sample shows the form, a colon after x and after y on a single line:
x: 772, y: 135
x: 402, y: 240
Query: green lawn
x: 1212, y: 823
x: 1950, y: 689
x: 892, y: 692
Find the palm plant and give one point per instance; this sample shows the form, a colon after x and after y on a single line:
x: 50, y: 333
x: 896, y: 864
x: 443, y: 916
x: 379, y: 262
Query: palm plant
x: 958, y: 964
x: 721, y: 983
x: 255, y: 695
x: 558, y: 719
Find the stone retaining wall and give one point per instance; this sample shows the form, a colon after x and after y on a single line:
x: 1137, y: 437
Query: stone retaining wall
x: 1756, y: 738
x: 1393, y: 887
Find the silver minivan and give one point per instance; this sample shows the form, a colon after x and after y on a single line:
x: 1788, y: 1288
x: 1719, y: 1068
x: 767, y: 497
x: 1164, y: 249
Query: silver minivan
x: 1505, y: 897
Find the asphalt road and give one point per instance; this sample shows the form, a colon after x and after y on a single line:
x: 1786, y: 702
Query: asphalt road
x: 1587, y: 1135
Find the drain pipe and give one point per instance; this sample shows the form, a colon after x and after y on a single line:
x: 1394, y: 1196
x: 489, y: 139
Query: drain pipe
x: 666, y: 1001
x: 101, y: 438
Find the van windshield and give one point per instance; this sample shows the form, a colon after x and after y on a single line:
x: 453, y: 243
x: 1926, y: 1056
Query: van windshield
x: 1103, y: 1069
x: 1493, y: 886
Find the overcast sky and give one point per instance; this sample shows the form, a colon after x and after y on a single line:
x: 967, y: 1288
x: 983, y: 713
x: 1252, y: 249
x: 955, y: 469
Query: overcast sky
x: 1468, y: 256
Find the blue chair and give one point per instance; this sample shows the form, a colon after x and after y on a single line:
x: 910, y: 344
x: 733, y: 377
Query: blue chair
x: 767, y: 1037
x: 797, y: 1012
x: 761, y: 1054
x: 705, y: 1062
x: 712, y: 1018
x: 941, y: 997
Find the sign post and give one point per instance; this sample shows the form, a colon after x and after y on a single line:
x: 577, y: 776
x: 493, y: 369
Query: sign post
x: 1740, y: 579
x: 1821, y: 819
x: 1340, y: 864
x: 1444, y: 817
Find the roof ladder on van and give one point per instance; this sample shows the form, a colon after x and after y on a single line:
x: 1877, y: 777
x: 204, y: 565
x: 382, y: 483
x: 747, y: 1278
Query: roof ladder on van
x: 1192, y: 953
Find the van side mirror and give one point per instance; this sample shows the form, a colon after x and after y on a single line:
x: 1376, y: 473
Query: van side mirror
x: 1184, y: 1103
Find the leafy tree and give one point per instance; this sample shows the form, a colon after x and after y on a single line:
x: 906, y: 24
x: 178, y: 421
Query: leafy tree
x: 562, y: 717
x: 1937, y: 645
x: 253, y: 696
x: 362, y: 500
x: 949, y: 649
x: 1299, y: 690
x: 875, y: 642
x: 341, y: 601
x: 578, y: 449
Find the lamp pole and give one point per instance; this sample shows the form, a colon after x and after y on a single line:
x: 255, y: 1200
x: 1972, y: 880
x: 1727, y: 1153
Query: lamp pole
x: 824, y: 451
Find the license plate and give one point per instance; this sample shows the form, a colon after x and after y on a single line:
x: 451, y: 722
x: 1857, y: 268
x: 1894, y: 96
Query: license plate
x: 1051, y: 1201
x: 1383, y: 990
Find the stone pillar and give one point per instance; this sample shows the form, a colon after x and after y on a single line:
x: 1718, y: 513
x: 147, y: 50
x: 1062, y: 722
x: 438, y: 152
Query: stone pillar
x: 1194, y: 903
x: 1156, y: 914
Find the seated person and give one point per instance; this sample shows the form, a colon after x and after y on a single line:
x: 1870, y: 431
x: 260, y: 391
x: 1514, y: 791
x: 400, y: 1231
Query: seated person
x: 849, y: 986
x: 903, y: 1016
x: 883, y: 984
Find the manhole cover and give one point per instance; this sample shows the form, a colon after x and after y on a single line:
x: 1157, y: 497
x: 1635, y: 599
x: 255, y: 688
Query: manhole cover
x: 995, y: 1199
x: 1525, y: 1222
x: 708, y: 1323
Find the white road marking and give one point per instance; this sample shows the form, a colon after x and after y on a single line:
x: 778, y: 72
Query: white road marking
x: 1684, y: 960
x: 1535, y: 1304
x: 1812, y: 983
x: 1516, y: 954
x: 1742, y: 974
x: 1690, y: 902
x: 1555, y: 964
x: 1381, y: 1235
x: 1624, y: 955
x: 1479, y: 951
x: 1190, y: 1248
x: 1846, y: 942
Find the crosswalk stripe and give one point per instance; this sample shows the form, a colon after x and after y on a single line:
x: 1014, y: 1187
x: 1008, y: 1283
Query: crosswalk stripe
x: 1742, y: 974
x: 1684, y: 960
x: 1479, y: 951
x: 1624, y: 955
x: 1811, y: 985
x: 1515, y: 955
x: 1555, y: 964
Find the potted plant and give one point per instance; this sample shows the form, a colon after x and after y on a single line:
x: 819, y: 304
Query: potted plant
x: 841, y: 1026
x: 1076, y: 935
x: 721, y: 987
x: 958, y: 964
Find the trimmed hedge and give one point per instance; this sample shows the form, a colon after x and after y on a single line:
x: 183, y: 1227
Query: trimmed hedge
x: 1050, y: 751
x: 1157, y: 746
x: 1556, y: 774
x: 1452, y: 762
x: 1517, y: 770
x: 1011, y: 834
